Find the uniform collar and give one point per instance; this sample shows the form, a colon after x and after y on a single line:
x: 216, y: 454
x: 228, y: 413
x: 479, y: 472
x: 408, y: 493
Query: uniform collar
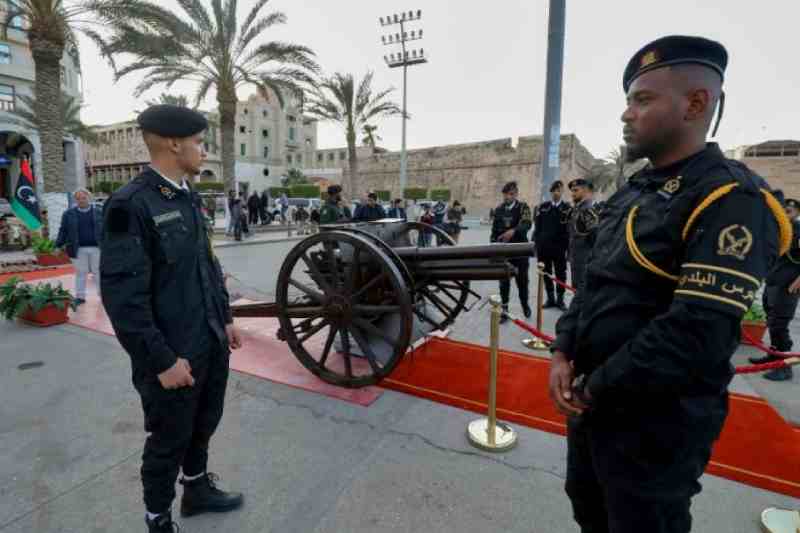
x: 183, y: 186
x: 659, y: 176
x: 510, y: 207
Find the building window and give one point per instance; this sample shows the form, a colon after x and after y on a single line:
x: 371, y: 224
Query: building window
x: 5, y: 54
x: 205, y: 147
x: 291, y: 134
x: 290, y: 118
x: 289, y: 159
x: 265, y: 133
x: 266, y: 152
x: 331, y: 156
x: 342, y: 156
x: 320, y: 157
x: 241, y: 129
x: 299, y: 159
x: 245, y: 110
x: 243, y: 149
x: 264, y: 113
x: 308, y: 142
x: 7, y: 97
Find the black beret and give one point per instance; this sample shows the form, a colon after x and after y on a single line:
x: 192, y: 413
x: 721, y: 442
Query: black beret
x: 676, y: 50
x: 510, y: 186
x: 790, y: 202
x: 557, y: 185
x: 372, y: 196
x: 172, y: 121
x: 334, y: 189
x: 578, y: 182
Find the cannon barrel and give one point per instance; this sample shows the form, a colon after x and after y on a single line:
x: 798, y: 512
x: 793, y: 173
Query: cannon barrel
x: 414, y: 254
x: 467, y: 274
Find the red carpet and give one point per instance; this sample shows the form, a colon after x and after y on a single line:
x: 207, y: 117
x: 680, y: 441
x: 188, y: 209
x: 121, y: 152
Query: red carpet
x: 262, y: 355
x: 41, y: 274
x: 757, y: 446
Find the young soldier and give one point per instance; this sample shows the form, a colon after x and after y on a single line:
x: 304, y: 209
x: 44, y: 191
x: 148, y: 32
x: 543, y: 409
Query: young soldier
x: 512, y: 222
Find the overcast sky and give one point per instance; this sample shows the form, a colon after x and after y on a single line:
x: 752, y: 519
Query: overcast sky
x: 486, y: 75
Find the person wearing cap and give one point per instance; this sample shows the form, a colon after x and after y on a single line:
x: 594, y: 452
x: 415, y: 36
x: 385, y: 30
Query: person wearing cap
x: 370, y: 211
x: 642, y: 359
x: 781, y: 294
x: 164, y: 293
x: 331, y: 212
x: 583, y: 220
x: 512, y: 222
x: 551, y: 235
x: 397, y: 210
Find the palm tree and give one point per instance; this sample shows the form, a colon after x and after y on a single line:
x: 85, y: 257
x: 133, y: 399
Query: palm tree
x: 51, y: 27
x: 179, y: 100
x: 70, y: 117
x: 370, y: 138
x: 337, y: 99
x: 210, y: 49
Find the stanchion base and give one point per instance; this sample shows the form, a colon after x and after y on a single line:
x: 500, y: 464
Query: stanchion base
x: 478, y: 435
x: 535, y: 344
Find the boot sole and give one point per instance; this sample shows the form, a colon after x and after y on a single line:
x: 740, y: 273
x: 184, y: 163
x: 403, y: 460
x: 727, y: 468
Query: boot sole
x: 221, y: 509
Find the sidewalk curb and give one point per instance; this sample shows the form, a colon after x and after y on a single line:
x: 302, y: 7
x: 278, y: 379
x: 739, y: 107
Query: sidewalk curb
x: 253, y: 243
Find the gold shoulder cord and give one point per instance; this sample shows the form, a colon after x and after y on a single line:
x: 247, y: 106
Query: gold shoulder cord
x: 784, y: 225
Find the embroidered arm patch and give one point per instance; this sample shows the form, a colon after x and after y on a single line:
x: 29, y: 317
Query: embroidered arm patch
x: 717, y: 285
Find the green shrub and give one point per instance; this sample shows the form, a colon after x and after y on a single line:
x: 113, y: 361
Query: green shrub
x: 304, y: 191
x: 275, y: 192
x: 384, y: 196
x: 440, y: 194
x: 414, y: 193
x: 755, y: 314
x: 16, y: 298
x: 209, y: 186
x: 42, y: 245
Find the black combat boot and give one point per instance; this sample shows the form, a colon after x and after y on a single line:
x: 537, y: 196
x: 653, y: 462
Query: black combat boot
x: 763, y: 360
x: 780, y: 374
x: 162, y: 524
x: 526, y: 310
x: 504, y: 316
x: 201, y: 495
x: 560, y: 303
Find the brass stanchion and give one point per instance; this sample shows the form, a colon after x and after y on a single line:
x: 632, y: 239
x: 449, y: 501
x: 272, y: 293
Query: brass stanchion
x: 487, y: 433
x: 538, y: 344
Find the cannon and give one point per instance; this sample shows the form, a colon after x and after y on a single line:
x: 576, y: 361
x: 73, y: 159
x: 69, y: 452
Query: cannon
x: 352, y: 299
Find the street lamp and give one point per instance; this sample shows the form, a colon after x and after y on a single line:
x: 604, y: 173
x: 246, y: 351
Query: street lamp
x: 405, y: 60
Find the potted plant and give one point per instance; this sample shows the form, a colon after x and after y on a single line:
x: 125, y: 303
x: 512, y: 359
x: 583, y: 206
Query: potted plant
x: 754, y: 324
x: 41, y: 305
x: 46, y: 253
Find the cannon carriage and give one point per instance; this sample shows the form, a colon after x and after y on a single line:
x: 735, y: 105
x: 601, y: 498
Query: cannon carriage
x: 352, y: 299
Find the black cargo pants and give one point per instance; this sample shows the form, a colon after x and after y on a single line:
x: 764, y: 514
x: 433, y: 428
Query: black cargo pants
x: 780, y: 307
x: 180, y: 423
x: 604, y: 481
x: 521, y: 278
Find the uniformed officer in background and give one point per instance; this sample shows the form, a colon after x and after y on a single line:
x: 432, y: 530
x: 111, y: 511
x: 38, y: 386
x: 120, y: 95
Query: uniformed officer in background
x: 583, y: 220
x: 552, y: 240
x: 331, y: 212
x: 780, y: 298
x: 164, y: 292
x: 679, y: 255
x: 512, y: 222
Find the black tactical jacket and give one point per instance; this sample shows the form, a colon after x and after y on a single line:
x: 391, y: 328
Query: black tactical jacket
x: 583, y: 220
x: 550, y: 228
x: 679, y: 255
x: 160, y: 282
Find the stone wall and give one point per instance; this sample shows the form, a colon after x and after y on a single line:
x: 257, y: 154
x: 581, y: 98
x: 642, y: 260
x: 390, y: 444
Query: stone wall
x: 780, y: 172
x: 475, y: 172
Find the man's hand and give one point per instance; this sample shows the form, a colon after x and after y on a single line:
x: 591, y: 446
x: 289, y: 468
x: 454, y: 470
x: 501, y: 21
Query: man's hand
x: 234, y: 338
x: 507, y: 236
x: 795, y: 286
x: 561, y: 377
x: 180, y: 375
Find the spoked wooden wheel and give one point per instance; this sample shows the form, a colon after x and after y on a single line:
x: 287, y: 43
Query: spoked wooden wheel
x: 344, y: 308
x: 437, y: 303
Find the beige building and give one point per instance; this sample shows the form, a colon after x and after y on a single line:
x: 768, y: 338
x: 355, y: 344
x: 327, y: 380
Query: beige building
x: 474, y: 172
x: 776, y: 161
x: 268, y: 142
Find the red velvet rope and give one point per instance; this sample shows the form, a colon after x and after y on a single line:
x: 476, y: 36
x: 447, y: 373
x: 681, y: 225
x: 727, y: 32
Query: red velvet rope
x: 753, y: 369
x: 557, y: 281
x: 764, y: 348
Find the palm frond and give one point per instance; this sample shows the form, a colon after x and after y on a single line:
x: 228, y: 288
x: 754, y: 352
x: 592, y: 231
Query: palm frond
x: 246, y: 36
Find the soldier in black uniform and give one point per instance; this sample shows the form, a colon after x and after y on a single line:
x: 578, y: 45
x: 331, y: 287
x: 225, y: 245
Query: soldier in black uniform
x: 165, y: 295
x: 512, y: 222
x: 552, y: 239
x: 780, y: 298
x: 583, y: 220
x: 679, y: 254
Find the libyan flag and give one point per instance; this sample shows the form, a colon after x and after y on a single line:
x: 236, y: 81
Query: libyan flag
x: 24, y: 204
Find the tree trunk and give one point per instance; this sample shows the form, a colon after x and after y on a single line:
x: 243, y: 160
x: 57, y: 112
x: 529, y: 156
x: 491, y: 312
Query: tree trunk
x: 353, y: 163
x: 227, y: 125
x: 47, y: 59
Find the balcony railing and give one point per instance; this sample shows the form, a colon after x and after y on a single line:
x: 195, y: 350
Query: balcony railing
x: 7, y: 105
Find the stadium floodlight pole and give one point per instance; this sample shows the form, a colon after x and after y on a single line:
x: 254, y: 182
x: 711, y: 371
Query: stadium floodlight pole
x: 551, y: 133
x: 403, y: 59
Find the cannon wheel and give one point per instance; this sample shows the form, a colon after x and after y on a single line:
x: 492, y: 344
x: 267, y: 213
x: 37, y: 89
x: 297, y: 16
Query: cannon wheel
x: 346, y: 286
x: 448, y: 297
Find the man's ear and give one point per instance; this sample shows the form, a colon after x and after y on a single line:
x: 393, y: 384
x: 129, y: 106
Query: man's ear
x: 698, y: 101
